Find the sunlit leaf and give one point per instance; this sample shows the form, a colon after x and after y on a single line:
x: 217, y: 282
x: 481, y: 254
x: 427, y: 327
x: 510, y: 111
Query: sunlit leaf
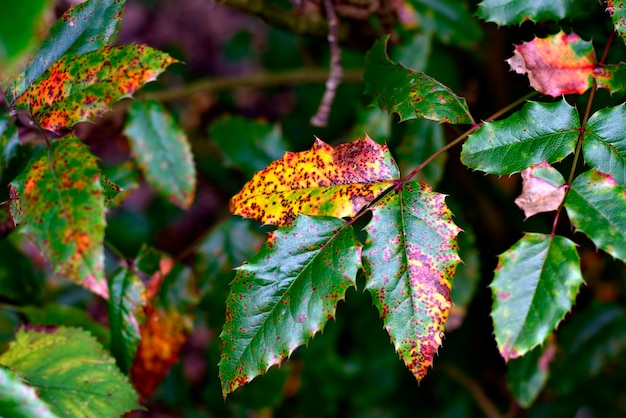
x: 543, y: 189
x: 248, y: 145
x: 538, y: 132
x: 604, y: 147
x: 534, y: 286
x: 284, y: 295
x: 73, y: 374
x: 126, y: 315
x: 527, y: 375
x: 62, y: 207
x: 408, y: 93
x: 509, y: 12
x: 83, y: 28
x: 409, y: 258
x: 162, y: 150
x: 563, y: 64
x: 82, y: 87
x: 322, y: 181
x: 596, y: 205
x: 19, y: 400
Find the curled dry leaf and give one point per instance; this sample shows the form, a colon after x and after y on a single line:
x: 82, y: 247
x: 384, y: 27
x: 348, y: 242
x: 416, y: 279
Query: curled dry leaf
x: 543, y: 189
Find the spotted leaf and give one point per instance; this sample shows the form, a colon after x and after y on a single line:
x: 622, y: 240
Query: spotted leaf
x: 535, y: 284
x: 284, y: 295
x: 617, y: 10
x: 409, y: 259
x: 62, y: 209
x: 409, y: 93
x: 82, y: 87
x: 323, y: 181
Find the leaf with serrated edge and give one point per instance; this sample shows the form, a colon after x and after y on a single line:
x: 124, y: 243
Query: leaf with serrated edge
x: 408, y: 93
x: 83, y: 28
x: 604, y: 146
x: 537, y: 132
x: 285, y: 294
x: 19, y: 400
x: 543, y: 189
x: 509, y: 12
x: 79, y: 88
x: 322, y: 181
x: 596, y: 205
x: 409, y: 259
x: 73, y: 373
x: 535, y: 284
x: 62, y: 205
x: 162, y: 150
x: 618, y: 15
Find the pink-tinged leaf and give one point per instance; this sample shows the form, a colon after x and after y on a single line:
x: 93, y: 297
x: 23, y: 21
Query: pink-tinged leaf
x: 617, y: 10
x: 562, y: 64
x: 285, y: 294
x: 409, y: 258
x: 543, y: 189
x: 535, y: 285
x: 62, y: 209
x: 81, y: 87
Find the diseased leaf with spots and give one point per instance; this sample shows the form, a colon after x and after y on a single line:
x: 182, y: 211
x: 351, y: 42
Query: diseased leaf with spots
x: 322, y: 181
x: 72, y: 372
x: 114, y: 194
x: 535, y: 285
x: 617, y: 10
x: 596, y: 205
x: 62, y: 205
x: 604, y: 145
x: 510, y: 12
x: 543, y: 189
x: 79, y: 88
x: 162, y: 150
x: 409, y: 93
x: 409, y: 259
x: 563, y: 64
x: 83, y: 28
x: 538, y: 132
x: 285, y: 294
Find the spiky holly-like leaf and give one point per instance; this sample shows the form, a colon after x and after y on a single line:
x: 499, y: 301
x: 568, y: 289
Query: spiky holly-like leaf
x: 323, y: 181
x: 73, y: 374
x: 534, y: 286
x: 62, y: 207
x: 409, y: 260
x: 537, y: 132
x: 81, y: 87
x: 596, y: 205
x: 162, y: 150
x: 408, y: 93
x: 285, y: 294
x: 83, y: 28
x: 509, y: 12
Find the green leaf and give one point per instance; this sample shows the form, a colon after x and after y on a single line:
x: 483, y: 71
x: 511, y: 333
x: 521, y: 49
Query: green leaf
x: 19, y: 23
x: 63, y: 211
x: 527, y: 375
x: 449, y: 20
x: 537, y: 132
x: 161, y: 148
x: 618, y: 15
x: 73, y: 374
x: 596, y: 205
x: 114, y: 194
x: 408, y: 93
x: 81, y: 87
x: 248, y: 145
x: 409, y: 260
x: 592, y: 340
x: 126, y: 315
x: 534, y: 286
x: 510, y: 12
x: 604, y: 146
x: 19, y: 400
x: 285, y: 294
x: 82, y: 28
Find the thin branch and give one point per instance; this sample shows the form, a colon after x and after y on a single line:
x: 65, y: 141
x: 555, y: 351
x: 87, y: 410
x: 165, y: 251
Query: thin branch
x: 320, y: 118
x: 478, y: 394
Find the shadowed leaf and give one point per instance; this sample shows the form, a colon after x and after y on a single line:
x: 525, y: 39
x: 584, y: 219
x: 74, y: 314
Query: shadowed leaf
x: 527, y: 375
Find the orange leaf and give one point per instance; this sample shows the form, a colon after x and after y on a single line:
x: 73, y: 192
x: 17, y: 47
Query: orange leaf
x: 323, y: 181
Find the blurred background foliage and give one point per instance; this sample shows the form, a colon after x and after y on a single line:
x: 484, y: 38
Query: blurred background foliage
x: 244, y: 96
